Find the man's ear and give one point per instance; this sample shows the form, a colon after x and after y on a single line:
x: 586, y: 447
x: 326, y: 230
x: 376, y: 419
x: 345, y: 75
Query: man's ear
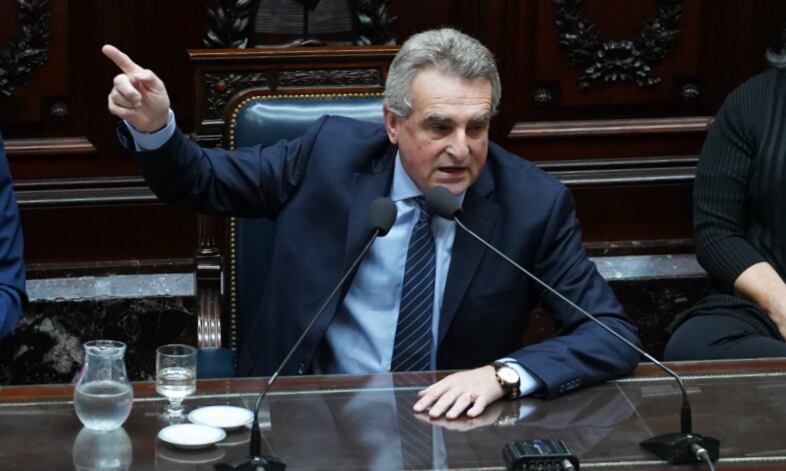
x: 392, y: 123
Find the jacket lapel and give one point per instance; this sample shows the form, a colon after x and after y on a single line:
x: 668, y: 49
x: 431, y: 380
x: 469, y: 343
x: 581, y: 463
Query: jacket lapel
x: 366, y: 187
x: 479, y: 214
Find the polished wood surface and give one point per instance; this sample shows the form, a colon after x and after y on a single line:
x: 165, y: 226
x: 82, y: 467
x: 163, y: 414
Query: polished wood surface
x: 350, y: 422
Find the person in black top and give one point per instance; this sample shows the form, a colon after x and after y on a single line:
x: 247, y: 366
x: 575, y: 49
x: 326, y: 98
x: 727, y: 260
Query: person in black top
x: 740, y: 227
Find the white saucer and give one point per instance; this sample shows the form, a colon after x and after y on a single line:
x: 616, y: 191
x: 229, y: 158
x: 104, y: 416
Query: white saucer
x: 191, y: 436
x: 225, y: 417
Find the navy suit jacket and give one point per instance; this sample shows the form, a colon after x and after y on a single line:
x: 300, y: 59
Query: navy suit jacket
x: 318, y: 188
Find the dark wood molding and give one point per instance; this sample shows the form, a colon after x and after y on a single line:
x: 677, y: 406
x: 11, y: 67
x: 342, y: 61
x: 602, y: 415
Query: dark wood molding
x: 260, y: 56
x: 49, y: 146
x: 83, y: 192
x: 208, y: 264
x: 610, y: 127
x: 603, y: 177
x: 619, y: 164
x: 641, y: 171
x: 221, y: 75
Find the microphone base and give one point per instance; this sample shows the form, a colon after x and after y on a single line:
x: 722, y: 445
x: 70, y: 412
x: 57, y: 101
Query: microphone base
x: 264, y: 462
x: 676, y: 447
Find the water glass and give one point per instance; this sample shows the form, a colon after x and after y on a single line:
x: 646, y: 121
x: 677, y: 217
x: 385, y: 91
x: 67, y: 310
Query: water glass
x: 175, y: 375
x: 103, y: 396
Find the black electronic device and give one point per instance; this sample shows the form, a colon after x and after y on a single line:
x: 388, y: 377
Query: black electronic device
x: 539, y: 455
x: 382, y: 215
x: 677, y: 448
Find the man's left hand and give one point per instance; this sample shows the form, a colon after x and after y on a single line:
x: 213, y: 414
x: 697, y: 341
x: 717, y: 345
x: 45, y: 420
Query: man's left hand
x: 469, y: 391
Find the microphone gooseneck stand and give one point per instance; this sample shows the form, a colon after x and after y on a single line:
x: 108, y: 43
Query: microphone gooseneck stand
x: 676, y: 448
x: 382, y: 214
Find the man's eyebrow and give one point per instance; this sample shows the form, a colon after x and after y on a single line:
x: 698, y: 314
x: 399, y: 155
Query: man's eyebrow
x: 485, y: 118
x: 442, y: 119
x: 437, y: 119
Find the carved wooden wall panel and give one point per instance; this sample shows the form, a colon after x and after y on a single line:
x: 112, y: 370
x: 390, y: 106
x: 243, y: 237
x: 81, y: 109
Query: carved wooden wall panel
x: 615, y: 97
x: 627, y: 151
x: 81, y: 198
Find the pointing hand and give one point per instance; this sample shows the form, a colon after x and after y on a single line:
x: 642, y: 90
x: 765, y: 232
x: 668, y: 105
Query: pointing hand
x: 138, y: 95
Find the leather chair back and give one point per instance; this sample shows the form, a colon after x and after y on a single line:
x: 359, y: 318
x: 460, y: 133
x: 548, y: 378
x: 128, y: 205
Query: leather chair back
x: 266, y: 119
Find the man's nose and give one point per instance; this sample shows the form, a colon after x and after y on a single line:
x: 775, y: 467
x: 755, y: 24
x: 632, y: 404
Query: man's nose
x: 459, y: 145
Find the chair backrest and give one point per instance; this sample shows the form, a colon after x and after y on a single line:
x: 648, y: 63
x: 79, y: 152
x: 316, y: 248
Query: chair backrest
x: 266, y: 119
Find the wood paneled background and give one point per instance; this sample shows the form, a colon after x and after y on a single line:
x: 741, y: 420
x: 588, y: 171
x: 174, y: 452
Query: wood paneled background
x: 626, y: 150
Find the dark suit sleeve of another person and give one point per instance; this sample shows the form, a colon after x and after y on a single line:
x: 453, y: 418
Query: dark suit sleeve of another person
x: 583, y: 353
x: 13, y: 296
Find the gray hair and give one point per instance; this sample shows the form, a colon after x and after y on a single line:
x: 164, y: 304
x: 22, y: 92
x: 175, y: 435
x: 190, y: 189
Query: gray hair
x: 777, y: 59
x: 448, y: 51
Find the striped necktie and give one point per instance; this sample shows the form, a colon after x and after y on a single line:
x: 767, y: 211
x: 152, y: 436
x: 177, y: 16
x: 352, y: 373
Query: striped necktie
x: 412, y: 346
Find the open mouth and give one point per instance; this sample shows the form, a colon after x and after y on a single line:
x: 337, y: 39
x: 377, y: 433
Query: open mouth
x: 453, y: 171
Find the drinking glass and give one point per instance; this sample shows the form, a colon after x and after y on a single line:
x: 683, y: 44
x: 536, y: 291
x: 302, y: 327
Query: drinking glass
x: 175, y: 375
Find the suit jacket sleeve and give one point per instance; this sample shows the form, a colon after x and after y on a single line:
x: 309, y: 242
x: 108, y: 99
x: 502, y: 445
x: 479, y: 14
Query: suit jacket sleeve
x: 247, y: 182
x: 13, y: 296
x: 583, y: 353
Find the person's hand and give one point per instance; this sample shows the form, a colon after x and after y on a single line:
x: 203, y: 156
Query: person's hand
x: 764, y: 286
x: 464, y: 424
x: 138, y: 95
x: 471, y: 391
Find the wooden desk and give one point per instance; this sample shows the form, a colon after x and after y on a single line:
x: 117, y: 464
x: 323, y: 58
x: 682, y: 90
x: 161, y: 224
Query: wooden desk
x: 349, y: 422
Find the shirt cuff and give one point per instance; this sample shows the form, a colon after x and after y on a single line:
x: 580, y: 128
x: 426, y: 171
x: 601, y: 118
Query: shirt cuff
x: 528, y: 384
x: 144, y: 141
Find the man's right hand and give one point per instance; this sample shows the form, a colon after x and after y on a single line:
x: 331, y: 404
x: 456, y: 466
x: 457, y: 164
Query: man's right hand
x: 138, y: 95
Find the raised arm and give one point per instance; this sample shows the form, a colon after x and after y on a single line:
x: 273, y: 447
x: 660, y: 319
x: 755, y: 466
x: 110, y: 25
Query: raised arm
x: 138, y: 96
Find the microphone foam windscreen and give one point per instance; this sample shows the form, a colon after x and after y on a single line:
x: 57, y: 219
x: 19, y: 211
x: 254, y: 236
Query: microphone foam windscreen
x: 441, y: 202
x: 382, y: 215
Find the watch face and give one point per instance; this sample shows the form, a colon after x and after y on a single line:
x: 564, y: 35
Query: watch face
x: 508, y: 375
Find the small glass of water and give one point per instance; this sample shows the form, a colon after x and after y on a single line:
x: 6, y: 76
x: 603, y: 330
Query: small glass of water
x: 175, y: 375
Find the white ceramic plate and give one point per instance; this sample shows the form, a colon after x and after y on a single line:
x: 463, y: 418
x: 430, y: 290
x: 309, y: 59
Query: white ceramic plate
x: 225, y: 417
x: 191, y: 436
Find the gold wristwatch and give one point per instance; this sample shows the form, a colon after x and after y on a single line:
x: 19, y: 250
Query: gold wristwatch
x: 508, y: 379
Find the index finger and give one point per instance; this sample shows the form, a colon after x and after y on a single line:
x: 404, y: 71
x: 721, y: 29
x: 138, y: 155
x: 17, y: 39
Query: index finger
x: 121, y: 60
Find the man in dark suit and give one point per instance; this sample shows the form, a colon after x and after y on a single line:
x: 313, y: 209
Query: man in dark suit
x: 13, y: 294
x: 441, y: 92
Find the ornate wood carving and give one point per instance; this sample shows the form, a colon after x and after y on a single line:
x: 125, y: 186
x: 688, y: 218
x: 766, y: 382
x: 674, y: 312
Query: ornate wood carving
x: 375, y: 22
x: 617, y: 61
x: 231, y: 21
x: 330, y: 77
x: 222, y: 87
x: 230, y: 24
x: 27, y: 50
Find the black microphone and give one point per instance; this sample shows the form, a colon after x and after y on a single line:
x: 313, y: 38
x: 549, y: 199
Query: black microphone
x: 676, y: 448
x: 382, y: 215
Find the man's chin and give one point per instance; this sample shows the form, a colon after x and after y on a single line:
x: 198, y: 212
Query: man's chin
x: 457, y: 188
